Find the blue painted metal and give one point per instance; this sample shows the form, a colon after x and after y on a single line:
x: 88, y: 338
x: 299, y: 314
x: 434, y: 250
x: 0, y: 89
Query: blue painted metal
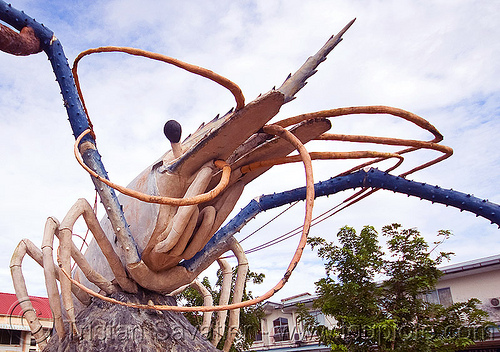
x: 78, y: 121
x: 372, y: 179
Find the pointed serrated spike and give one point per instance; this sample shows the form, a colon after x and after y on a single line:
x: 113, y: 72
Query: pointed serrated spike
x: 296, y: 81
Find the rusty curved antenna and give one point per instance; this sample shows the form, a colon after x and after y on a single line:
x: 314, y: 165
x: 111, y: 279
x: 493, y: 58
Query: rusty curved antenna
x: 323, y: 156
x: 372, y: 110
x: 79, y: 123
x: 291, y: 86
x: 309, y: 198
x: 414, y: 144
x: 201, y: 198
x: 372, y: 178
x: 200, y: 71
x: 275, y: 99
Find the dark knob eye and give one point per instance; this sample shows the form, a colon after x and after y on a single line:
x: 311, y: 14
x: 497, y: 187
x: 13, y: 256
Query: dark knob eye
x: 173, y: 131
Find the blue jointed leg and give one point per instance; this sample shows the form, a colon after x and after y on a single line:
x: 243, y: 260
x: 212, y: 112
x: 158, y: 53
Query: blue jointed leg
x: 77, y: 119
x: 371, y: 179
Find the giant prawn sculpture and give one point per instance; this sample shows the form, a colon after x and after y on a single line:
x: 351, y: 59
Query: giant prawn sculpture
x: 165, y: 228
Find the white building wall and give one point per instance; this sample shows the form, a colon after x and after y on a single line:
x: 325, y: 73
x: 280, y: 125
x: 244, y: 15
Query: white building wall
x: 482, y: 285
x: 268, y: 327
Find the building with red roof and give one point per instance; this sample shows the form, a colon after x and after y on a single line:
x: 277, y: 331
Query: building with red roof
x: 15, y: 333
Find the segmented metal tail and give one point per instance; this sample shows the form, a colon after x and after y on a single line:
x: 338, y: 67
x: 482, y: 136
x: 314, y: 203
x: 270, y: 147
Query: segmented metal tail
x: 295, y: 82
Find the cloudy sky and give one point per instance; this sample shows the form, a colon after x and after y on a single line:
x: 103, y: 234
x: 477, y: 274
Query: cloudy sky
x: 437, y: 59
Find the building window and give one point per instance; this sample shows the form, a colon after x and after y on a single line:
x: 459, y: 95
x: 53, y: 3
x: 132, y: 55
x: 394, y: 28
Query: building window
x: 10, y: 337
x: 318, y: 317
x: 258, y: 336
x: 440, y: 296
x: 281, y: 332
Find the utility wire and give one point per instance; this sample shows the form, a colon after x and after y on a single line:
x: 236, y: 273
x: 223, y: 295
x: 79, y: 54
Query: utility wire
x: 267, y: 223
x: 320, y: 218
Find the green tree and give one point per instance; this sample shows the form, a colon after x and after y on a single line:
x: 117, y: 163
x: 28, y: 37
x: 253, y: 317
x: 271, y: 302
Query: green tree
x: 378, y: 300
x: 249, y: 317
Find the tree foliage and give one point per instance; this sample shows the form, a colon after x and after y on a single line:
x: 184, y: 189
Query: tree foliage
x: 249, y: 316
x: 377, y: 296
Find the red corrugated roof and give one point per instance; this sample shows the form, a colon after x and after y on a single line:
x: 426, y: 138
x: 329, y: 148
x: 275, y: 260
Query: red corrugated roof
x: 10, y: 306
